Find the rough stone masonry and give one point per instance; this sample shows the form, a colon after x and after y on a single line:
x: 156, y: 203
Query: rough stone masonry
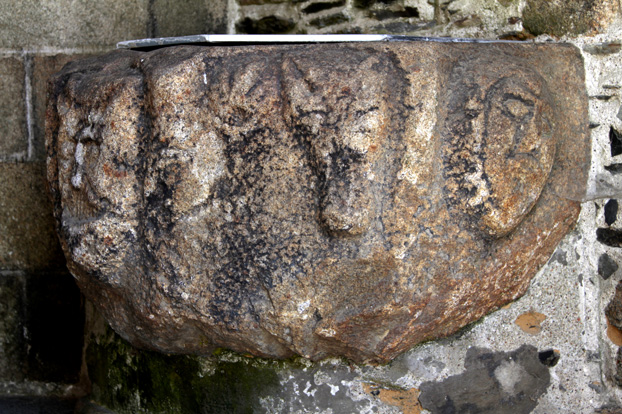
x: 327, y: 199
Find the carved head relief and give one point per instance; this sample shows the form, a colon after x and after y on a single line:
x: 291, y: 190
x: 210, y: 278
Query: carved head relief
x: 342, y: 116
x: 502, y: 146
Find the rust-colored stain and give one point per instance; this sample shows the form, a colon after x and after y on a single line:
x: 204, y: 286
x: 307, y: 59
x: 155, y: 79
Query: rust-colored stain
x: 111, y: 172
x: 530, y: 322
x: 406, y: 400
x: 614, y: 334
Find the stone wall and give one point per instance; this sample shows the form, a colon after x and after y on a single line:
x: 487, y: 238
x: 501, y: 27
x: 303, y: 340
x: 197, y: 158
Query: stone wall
x: 554, y: 350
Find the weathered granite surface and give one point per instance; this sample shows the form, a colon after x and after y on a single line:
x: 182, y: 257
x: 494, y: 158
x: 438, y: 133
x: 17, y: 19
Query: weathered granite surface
x: 348, y: 199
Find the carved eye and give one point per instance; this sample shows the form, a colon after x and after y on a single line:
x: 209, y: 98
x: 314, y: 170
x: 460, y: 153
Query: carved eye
x: 521, y: 111
x: 517, y: 108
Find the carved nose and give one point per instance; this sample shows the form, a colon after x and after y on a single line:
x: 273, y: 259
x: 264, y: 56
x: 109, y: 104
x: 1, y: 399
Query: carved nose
x: 346, y: 209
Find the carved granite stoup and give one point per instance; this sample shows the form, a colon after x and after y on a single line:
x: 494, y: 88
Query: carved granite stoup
x: 329, y: 199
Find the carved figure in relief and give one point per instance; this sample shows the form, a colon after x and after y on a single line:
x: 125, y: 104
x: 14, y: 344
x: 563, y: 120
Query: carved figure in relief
x: 501, y: 139
x: 263, y: 199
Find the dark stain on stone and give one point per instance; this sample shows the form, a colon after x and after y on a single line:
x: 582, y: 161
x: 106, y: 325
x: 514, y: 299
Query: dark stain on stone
x: 606, y: 266
x: 615, y: 140
x: 318, y: 7
x: 363, y: 4
x: 331, y: 20
x: 549, y: 357
x: 605, y: 48
x: 602, y: 97
x: 614, y: 168
x: 389, y: 14
x: 265, y: 25
x: 609, y: 237
x: 611, y: 211
x: 493, y: 382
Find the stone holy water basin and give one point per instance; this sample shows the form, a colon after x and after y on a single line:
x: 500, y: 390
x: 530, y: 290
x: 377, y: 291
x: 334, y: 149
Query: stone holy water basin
x: 327, y: 199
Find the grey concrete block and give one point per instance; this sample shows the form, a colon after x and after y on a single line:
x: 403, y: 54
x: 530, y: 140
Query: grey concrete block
x: 28, y: 239
x: 13, y: 130
x: 69, y: 23
x: 188, y: 17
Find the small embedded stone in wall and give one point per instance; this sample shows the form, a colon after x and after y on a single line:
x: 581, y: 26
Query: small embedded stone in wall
x: 407, y: 400
x: 615, y: 168
x: 560, y: 256
x: 609, y: 237
x: 611, y: 211
x: 549, y: 357
x: 606, y: 266
x: 614, y: 334
x: 530, y: 322
x: 328, y: 199
x: 606, y: 48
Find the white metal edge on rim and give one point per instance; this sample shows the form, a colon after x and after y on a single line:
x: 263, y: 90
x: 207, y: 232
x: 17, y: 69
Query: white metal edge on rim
x: 252, y: 38
x: 232, y: 39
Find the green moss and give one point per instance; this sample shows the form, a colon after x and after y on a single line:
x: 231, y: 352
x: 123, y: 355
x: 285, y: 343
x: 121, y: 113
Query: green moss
x: 128, y: 380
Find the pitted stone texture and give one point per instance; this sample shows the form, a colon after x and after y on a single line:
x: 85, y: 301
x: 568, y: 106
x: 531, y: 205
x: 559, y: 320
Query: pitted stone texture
x: 350, y: 199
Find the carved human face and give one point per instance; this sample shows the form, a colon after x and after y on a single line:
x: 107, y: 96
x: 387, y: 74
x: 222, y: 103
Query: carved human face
x: 519, y: 149
x: 343, y: 119
x: 501, y: 146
